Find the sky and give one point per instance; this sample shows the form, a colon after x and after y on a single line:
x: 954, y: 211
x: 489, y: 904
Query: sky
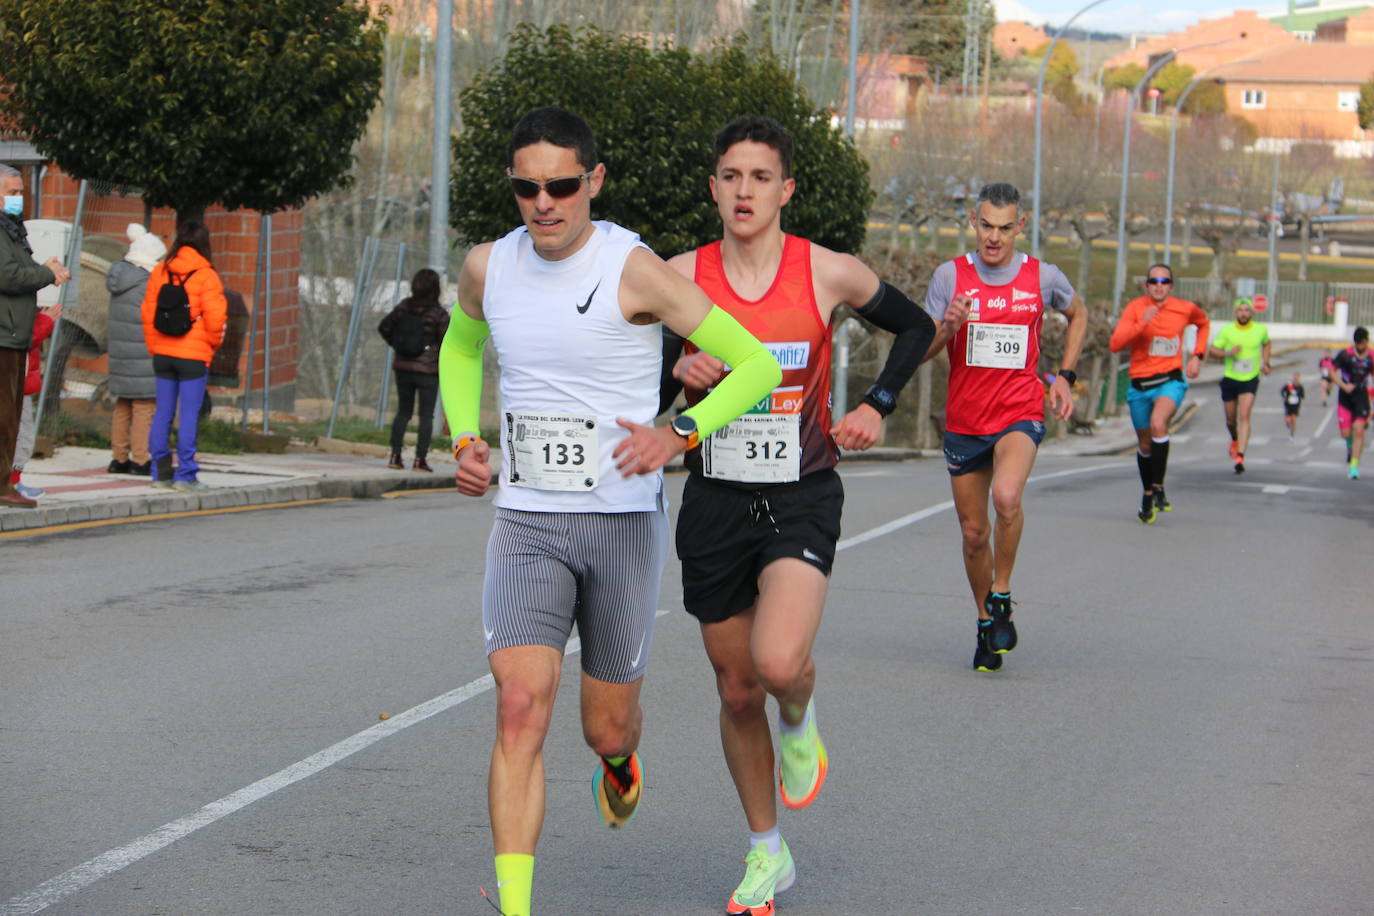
x: 1125, y: 16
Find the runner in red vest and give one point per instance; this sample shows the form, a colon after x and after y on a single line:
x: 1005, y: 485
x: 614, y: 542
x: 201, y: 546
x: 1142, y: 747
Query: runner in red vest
x: 989, y: 305
x: 760, y: 513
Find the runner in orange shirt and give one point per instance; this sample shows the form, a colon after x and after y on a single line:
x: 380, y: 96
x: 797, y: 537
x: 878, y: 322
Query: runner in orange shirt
x: 1152, y: 327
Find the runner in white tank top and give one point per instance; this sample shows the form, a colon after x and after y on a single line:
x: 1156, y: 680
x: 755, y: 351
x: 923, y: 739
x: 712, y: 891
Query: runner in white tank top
x: 575, y: 310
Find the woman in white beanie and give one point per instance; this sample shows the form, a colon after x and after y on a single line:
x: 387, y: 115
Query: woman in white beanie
x: 132, y: 382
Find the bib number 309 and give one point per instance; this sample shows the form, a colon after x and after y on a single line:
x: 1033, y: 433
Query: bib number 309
x: 997, y: 346
x: 548, y: 451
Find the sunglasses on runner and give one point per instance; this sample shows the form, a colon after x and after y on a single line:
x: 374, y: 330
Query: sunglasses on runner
x: 557, y: 188
x: 1153, y: 281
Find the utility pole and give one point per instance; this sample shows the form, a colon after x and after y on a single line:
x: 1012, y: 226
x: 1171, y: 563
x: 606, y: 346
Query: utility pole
x: 439, y: 162
x: 973, y: 29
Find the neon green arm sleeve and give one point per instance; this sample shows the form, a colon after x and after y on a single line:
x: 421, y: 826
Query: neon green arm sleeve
x: 753, y: 371
x: 460, y: 371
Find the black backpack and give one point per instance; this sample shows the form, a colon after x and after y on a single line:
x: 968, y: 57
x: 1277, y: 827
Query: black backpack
x: 409, y: 336
x: 173, y: 315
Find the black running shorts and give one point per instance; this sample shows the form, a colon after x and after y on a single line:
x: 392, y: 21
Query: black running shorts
x: 726, y: 535
x: 1232, y: 389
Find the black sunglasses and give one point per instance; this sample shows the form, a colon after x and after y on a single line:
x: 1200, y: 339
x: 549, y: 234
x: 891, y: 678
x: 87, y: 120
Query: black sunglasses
x: 557, y: 188
x: 1153, y: 281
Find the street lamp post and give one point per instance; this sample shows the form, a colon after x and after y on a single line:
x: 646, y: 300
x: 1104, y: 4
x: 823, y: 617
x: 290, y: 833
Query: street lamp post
x: 1173, y: 150
x: 1039, y: 118
x: 1119, y: 278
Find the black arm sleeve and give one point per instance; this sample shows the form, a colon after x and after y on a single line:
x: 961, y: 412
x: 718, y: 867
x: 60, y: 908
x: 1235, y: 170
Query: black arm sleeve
x: 668, y: 386
x: 892, y: 311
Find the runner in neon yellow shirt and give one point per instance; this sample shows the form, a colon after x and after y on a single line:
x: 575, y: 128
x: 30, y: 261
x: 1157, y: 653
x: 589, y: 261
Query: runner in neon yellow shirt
x: 1245, y: 346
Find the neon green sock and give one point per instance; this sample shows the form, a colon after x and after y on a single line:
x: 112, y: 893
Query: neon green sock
x: 514, y: 883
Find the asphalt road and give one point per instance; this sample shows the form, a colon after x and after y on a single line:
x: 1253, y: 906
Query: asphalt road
x: 191, y: 711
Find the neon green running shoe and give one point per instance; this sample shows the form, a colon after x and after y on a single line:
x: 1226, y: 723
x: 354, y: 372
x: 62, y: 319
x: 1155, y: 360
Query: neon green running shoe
x: 764, y: 876
x: 802, y: 764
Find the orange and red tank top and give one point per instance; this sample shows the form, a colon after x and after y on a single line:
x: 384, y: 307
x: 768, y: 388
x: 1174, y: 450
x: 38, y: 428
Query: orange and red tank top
x: 788, y: 322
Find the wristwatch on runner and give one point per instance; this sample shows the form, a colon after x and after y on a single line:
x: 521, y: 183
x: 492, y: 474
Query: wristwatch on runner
x: 686, y: 427
x: 1069, y: 376
x: 880, y: 399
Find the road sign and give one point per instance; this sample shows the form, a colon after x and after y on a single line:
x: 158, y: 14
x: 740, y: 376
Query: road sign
x: 1261, y: 303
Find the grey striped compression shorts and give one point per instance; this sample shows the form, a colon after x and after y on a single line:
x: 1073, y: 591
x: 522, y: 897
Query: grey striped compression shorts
x: 602, y: 569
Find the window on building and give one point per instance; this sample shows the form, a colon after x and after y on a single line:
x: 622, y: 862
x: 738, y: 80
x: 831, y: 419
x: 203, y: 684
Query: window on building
x: 1347, y: 101
x: 1252, y: 98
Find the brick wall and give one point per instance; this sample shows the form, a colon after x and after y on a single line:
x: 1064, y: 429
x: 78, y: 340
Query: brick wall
x: 234, y: 243
x: 1297, y: 110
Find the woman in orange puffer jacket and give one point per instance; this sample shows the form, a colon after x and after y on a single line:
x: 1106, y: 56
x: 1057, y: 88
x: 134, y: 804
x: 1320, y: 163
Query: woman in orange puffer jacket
x: 182, y: 363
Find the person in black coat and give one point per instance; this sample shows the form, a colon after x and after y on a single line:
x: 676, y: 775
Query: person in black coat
x: 418, y: 322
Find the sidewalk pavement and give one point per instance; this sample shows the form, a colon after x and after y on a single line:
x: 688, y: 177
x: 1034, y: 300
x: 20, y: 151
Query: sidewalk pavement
x: 78, y: 489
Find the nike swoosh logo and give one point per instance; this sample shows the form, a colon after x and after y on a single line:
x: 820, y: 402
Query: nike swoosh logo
x: 639, y: 652
x: 582, y: 309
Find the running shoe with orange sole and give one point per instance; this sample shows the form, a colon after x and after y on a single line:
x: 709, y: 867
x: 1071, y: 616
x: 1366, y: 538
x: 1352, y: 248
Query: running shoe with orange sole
x: 764, y: 877
x: 616, y: 800
x: 802, y: 764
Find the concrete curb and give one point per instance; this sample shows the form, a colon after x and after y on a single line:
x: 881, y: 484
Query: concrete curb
x: 169, y: 503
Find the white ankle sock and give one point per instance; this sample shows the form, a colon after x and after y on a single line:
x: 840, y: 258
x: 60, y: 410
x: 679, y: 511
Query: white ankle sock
x: 773, y: 838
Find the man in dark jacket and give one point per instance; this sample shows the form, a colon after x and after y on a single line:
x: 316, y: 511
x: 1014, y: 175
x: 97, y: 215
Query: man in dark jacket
x: 20, y: 280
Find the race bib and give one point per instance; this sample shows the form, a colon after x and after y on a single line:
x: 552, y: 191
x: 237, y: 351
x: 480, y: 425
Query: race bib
x: 1164, y: 346
x: 997, y: 346
x: 552, y: 451
x: 756, y: 448
x: 1293, y: 398
x: 1242, y: 366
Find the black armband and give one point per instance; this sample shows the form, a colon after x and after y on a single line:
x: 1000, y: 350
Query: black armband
x: 892, y: 311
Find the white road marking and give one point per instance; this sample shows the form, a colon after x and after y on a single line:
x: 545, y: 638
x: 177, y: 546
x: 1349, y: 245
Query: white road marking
x: 1276, y: 488
x: 87, y: 873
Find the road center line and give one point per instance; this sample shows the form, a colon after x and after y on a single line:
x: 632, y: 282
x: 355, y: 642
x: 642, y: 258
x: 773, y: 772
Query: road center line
x: 91, y: 871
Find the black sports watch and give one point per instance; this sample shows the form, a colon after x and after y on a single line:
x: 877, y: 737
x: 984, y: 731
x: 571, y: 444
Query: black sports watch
x: 686, y: 427
x: 880, y: 399
x: 1069, y: 376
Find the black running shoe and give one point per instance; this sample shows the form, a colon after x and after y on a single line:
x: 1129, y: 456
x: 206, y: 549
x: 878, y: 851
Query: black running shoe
x: 1162, y: 503
x: 984, y: 659
x: 1240, y: 466
x: 1001, y: 632
x: 1147, y: 509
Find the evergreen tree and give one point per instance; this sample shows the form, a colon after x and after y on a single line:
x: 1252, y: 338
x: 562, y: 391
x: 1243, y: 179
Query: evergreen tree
x: 238, y: 102
x: 654, y: 112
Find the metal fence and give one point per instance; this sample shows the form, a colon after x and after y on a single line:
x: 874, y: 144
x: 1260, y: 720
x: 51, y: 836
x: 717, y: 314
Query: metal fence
x: 1310, y: 302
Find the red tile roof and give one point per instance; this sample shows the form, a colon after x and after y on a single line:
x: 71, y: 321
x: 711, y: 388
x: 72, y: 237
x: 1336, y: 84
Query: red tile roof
x: 1319, y: 62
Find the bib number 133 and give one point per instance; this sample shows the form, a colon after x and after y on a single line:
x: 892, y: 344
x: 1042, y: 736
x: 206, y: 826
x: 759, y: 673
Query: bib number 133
x: 552, y: 451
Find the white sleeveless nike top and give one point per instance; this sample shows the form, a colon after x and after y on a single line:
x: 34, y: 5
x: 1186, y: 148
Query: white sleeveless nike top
x: 564, y: 347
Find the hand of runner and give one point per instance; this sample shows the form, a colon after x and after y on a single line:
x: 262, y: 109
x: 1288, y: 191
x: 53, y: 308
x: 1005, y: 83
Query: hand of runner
x: 474, y: 469
x: 699, y: 370
x: 647, y: 449
x: 1149, y: 314
x: 1194, y: 366
x: 956, y: 313
x: 858, y: 430
x: 1234, y: 351
x: 1061, y: 398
